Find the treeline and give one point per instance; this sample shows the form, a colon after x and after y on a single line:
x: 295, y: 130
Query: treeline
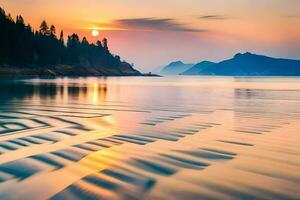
x: 21, y: 46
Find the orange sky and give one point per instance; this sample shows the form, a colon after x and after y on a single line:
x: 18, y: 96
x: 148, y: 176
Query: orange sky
x: 152, y: 33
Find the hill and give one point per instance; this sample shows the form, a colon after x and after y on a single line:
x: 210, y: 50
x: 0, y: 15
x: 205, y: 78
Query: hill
x: 24, y: 51
x: 249, y: 64
x: 175, y: 68
x: 196, y: 69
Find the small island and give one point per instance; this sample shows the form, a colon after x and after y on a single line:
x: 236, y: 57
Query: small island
x: 25, y: 52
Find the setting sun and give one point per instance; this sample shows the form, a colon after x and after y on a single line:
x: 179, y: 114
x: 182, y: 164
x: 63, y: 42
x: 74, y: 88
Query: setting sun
x: 95, y: 33
x: 136, y: 99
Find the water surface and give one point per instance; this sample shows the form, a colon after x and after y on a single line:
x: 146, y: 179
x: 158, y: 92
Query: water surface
x: 150, y: 138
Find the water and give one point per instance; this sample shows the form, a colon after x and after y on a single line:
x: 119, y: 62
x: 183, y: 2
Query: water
x: 150, y: 138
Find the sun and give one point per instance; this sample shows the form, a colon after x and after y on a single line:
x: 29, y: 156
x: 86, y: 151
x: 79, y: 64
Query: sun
x: 95, y: 33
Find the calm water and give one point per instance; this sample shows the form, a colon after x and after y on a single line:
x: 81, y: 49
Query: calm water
x: 150, y: 138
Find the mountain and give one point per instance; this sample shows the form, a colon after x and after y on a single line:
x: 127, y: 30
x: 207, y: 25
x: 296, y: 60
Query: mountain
x: 175, y: 68
x: 196, y: 69
x: 157, y: 70
x: 24, y: 51
x: 249, y: 64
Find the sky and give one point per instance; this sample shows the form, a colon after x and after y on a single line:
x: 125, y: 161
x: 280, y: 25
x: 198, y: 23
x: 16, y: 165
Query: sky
x: 153, y: 33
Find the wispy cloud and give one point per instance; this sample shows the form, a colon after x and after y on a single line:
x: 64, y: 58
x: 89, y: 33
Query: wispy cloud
x: 154, y: 24
x: 213, y: 17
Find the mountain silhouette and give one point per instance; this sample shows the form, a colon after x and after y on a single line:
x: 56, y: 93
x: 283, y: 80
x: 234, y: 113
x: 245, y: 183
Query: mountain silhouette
x: 249, y: 64
x: 175, y: 68
x: 196, y: 69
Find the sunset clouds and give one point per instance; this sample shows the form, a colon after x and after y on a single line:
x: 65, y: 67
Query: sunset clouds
x: 155, y: 24
x: 147, y: 24
x: 152, y: 33
x: 213, y: 17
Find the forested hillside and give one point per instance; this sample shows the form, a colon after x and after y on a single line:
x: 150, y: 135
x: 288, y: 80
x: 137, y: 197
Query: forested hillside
x: 43, y: 52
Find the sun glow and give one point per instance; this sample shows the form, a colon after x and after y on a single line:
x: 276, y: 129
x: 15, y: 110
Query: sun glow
x: 95, y: 33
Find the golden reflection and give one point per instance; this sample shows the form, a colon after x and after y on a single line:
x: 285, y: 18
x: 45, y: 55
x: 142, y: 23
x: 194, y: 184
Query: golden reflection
x: 96, y: 92
x: 92, y: 91
x: 152, y: 130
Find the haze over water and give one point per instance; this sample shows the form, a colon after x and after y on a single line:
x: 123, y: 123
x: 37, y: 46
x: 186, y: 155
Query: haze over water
x: 150, y: 138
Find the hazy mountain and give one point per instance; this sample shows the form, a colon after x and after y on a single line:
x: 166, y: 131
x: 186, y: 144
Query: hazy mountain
x: 175, y: 68
x: 157, y: 70
x: 249, y: 64
x: 196, y: 69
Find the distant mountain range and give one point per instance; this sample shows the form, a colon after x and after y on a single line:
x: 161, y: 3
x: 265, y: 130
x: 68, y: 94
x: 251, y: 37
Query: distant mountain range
x: 196, y: 69
x: 175, y: 68
x: 247, y: 64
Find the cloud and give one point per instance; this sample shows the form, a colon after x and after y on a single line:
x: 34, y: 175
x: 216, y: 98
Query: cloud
x: 213, y: 17
x: 155, y: 24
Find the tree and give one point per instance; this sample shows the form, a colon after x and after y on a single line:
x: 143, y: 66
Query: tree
x: 2, y: 12
x: 85, y: 41
x: 118, y: 58
x: 20, y: 20
x: 104, y: 42
x: 99, y: 44
x: 73, y: 47
x: 44, y: 29
x: 52, y: 31
x: 61, y: 37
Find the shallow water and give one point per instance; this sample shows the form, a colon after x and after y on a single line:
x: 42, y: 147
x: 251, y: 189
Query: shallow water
x: 150, y: 138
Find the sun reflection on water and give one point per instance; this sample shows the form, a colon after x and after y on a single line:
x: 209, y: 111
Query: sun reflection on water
x: 135, y: 137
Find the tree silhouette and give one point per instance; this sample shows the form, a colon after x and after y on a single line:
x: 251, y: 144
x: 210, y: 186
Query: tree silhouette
x: 20, y: 20
x: 44, y: 29
x: 104, y: 42
x: 61, y: 37
x: 52, y: 31
x: 21, y: 46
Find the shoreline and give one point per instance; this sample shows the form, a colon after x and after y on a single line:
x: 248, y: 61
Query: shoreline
x: 69, y: 71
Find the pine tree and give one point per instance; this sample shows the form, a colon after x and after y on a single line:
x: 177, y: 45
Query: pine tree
x: 52, y: 31
x: 20, y: 20
x: 104, y: 42
x: 44, y: 29
x: 61, y: 37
